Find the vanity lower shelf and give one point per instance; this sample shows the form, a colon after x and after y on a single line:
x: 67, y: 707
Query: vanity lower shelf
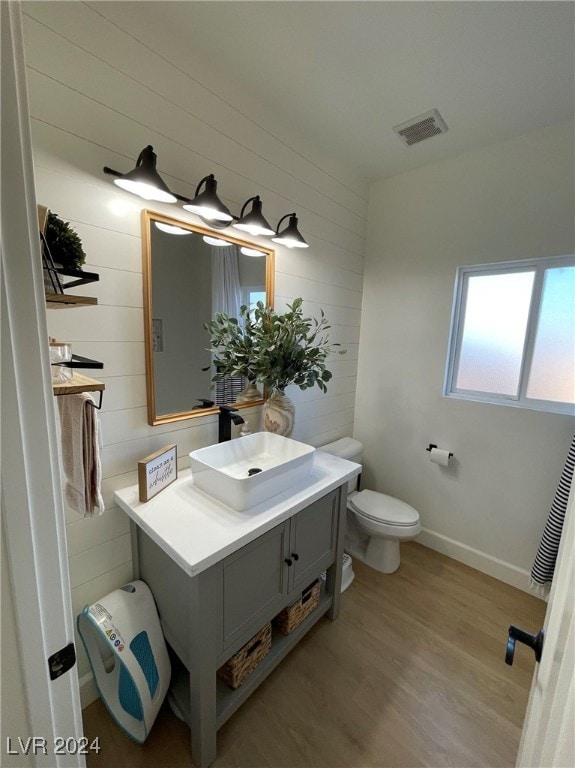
x: 229, y: 700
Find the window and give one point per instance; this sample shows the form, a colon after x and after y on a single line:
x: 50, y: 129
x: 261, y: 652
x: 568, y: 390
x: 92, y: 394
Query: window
x: 251, y: 295
x: 512, y: 336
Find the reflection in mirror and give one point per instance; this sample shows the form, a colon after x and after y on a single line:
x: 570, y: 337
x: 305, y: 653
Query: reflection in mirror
x: 190, y: 273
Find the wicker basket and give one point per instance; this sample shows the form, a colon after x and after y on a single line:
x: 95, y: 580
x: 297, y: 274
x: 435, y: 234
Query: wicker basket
x: 241, y: 664
x: 292, y: 616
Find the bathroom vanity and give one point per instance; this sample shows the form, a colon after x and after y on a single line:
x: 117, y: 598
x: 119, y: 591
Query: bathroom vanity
x: 219, y: 575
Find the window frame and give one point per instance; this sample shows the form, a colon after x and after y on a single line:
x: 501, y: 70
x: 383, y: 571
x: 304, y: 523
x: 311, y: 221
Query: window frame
x: 520, y: 400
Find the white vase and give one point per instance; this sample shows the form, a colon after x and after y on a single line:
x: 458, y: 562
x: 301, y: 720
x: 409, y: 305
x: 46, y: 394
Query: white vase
x: 279, y: 414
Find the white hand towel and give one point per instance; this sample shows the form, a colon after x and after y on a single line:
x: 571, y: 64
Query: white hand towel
x: 81, y: 453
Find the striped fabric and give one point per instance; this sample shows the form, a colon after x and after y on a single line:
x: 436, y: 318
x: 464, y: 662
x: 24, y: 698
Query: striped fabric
x: 544, y: 565
x: 228, y: 389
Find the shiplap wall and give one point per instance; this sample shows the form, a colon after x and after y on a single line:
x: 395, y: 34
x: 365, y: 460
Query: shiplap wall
x: 98, y: 94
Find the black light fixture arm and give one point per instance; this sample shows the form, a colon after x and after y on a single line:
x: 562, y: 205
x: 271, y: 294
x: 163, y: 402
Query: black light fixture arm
x: 112, y: 172
x: 283, y: 218
x: 254, y: 199
x: 207, y: 180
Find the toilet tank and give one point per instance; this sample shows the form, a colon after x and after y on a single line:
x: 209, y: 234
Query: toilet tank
x: 345, y: 448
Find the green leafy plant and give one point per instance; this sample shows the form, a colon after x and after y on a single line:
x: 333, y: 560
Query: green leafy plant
x: 232, y: 346
x: 274, y: 349
x: 64, y: 243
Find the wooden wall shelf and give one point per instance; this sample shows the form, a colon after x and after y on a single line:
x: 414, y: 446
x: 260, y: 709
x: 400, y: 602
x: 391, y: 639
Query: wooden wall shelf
x: 63, y: 300
x: 78, y: 383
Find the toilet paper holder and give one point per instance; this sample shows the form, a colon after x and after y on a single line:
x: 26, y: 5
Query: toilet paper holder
x: 432, y: 445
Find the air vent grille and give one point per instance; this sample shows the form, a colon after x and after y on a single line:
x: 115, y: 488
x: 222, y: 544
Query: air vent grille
x: 421, y: 128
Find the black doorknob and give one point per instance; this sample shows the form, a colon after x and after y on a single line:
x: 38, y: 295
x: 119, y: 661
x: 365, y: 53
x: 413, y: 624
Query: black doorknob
x: 288, y: 560
x: 533, y: 641
x: 295, y: 555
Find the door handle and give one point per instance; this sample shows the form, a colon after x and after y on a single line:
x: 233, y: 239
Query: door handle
x: 533, y: 641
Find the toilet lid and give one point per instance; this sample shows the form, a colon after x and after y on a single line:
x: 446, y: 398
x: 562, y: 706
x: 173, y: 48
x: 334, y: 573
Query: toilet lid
x: 383, y: 509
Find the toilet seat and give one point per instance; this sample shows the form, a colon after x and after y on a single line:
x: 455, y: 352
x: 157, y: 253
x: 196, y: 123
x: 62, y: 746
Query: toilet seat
x: 382, y: 508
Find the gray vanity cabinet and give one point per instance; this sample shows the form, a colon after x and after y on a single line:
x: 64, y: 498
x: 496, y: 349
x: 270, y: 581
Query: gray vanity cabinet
x: 259, y: 578
x: 207, y: 617
x: 254, y: 584
x: 313, y: 538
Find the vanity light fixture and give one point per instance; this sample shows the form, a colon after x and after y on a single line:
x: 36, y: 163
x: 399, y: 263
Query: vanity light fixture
x: 291, y: 236
x: 206, y: 204
x: 172, y: 229
x: 216, y: 241
x: 254, y: 221
x: 144, y: 180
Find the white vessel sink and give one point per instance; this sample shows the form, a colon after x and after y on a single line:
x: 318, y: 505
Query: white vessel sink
x: 249, y: 470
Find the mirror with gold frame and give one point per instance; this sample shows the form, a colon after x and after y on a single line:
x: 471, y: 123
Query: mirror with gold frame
x: 190, y: 272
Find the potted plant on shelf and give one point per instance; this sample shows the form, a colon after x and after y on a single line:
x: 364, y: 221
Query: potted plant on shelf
x: 64, y: 243
x: 276, y: 350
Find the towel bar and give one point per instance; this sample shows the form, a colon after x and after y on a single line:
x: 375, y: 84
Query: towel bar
x: 97, y: 407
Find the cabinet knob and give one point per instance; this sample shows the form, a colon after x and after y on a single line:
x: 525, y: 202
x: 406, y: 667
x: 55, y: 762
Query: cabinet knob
x: 288, y: 561
x: 295, y: 555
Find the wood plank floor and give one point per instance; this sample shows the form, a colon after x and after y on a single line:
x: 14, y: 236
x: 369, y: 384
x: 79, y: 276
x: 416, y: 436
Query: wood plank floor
x: 411, y: 674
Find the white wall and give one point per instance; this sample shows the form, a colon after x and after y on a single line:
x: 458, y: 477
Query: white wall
x: 98, y: 95
x: 512, y: 200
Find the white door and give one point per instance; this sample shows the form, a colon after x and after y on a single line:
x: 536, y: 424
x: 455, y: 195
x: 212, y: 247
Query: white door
x: 31, y: 499
x: 548, y: 738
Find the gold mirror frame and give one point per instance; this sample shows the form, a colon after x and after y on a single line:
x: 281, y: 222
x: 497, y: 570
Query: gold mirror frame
x: 148, y: 219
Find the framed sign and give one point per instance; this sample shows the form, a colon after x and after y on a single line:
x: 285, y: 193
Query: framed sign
x: 157, y: 471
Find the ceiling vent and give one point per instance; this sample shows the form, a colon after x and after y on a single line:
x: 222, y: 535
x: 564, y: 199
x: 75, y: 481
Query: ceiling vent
x: 421, y: 127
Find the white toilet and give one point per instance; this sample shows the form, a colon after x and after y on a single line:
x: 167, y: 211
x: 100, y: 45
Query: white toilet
x: 382, y: 521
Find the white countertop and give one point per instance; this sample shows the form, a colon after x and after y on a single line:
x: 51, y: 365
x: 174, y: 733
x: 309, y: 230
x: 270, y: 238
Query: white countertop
x: 197, y: 531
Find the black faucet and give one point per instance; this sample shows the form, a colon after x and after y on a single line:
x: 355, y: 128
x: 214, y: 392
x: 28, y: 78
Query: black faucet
x: 204, y: 404
x: 226, y: 416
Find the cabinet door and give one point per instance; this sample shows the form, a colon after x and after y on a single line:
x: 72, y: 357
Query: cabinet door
x: 313, y: 540
x: 254, y: 583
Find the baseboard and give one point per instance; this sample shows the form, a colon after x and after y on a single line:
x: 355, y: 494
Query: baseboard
x: 88, y: 690
x: 492, y: 566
